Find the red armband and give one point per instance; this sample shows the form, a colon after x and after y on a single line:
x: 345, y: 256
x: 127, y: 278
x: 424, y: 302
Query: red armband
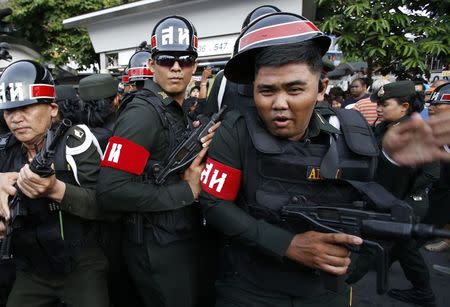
x: 125, y: 155
x: 220, y: 180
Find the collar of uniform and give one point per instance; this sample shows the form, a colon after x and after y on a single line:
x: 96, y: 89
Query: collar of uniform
x: 319, y: 124
x: 158, y: 91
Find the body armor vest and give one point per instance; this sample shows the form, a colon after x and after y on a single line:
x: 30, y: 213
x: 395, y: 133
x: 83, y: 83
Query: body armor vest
x: 49, y: 238
x: 173, y: 225
x: 281, y: 172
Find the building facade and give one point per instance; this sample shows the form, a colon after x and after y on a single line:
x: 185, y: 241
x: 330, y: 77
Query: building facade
x: 116, y: 32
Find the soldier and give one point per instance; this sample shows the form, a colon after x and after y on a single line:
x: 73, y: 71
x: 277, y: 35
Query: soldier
x: 419, y: 141
x: 278, y: 152
x: 56, y: 246
x: 162, y: 249
x: 396, y: 102
x: 98, y: 92
x: 138, y: 70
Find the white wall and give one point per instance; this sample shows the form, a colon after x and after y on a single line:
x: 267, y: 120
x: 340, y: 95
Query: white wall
x: 211, y: 18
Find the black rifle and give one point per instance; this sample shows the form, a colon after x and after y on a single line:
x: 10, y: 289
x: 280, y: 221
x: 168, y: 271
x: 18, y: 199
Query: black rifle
x: 375, y: 228
x: 41, y: 165
x: 187, y: 150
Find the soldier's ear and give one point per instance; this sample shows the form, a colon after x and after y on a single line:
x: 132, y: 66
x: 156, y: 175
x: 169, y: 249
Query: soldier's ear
x: 54, y: 109
x: 151, y: 64
x: 322, y: 88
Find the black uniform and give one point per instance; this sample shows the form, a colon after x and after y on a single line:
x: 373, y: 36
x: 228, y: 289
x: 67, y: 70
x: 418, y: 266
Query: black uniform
x: 439, y: 210
x: 57, y: 252
x: 165, y: 263
x: 267, y: 173
x: 411, y: 184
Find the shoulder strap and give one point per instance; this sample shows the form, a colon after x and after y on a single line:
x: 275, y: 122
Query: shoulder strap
x: 357, y: 133
x: 70, y: 152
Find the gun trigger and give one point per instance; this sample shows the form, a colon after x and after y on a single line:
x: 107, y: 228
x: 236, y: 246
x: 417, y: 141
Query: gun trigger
x: 352, y: 248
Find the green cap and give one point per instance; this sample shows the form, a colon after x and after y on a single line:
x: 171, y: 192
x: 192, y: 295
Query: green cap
x: 98, y: 86
x: 396, y: 90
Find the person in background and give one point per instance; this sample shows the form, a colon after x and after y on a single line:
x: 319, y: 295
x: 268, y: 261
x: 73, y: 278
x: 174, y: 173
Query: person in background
x: 396, y: 102
x: 336, y: 97
x: 358, y: 91
x: 194, y: 91
x: 368, y: 106
x: 440, y: 194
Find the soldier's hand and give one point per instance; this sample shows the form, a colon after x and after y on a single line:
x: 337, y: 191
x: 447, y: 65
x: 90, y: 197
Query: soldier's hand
x: 206, y: 73
x: 192, y: 174
x: 2, y: 229
x: 414, y: 142
x: 206, y: 140
x: 7, y: 189
x: 35, y: 186
x: 440, y: 124
x: 323, y: 251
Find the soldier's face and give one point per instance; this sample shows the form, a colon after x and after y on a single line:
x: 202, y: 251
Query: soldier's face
x: 30, y: 123
x: 172, y: 76
x: 390, y: 110
x: 435, y: 109
x: 285, y: 97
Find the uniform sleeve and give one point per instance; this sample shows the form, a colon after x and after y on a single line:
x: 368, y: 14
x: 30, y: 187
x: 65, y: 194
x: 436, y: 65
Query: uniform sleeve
x: 119, y: 190
x: 228, y: 148
x: 80, y: 199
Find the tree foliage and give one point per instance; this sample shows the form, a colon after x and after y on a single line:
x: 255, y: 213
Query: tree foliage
x: 395, y: 35
x: 40, y: 22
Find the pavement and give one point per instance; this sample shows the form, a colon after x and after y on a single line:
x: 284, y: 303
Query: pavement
x: 365, y: 295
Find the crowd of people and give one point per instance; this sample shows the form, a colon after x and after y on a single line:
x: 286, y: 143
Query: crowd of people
x: 100, y: 229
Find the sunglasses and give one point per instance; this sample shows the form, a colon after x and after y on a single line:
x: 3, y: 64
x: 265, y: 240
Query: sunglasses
x: 169, y: 60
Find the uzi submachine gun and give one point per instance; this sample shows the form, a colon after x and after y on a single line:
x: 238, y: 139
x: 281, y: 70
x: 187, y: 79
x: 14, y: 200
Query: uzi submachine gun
x: 187, y: 150
x: 375, y: 228
x: 41, y: 165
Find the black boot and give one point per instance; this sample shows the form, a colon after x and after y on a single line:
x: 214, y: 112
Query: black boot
x: 415, y: 296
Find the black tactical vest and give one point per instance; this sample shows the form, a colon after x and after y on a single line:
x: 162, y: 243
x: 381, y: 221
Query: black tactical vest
x: 282, y: 172
x: 49, y: 238
x: 179, y: 224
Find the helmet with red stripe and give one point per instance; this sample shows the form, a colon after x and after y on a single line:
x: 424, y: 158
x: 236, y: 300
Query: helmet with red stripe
x: 270, y: 30
x: 138, y: 69
x: 125, y: 79
x: 258, y: 12
x: 25, y: 82
x: 255, y: 14
x: 174, y: 34
x: 441, y: 95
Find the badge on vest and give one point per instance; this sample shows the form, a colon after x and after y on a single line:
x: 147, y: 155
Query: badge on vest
x: 313, y: 173
x: 78, y: 133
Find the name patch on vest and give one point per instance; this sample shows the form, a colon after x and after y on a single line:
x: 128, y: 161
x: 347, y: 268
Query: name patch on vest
x: 313, y: 173
x: 125, y: 155
x: 220, y: 180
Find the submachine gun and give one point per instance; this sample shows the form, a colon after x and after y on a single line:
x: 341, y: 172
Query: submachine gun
x: 376, y: 228
x: 187, y: 150
x: 41, y: 165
